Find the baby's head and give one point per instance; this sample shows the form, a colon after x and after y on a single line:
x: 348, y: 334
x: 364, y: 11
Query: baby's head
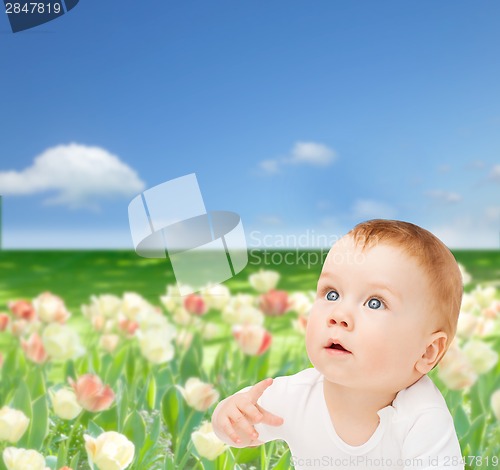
x: 390, y: 293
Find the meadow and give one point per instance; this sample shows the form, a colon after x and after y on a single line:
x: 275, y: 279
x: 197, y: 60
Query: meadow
x: 140, y: 369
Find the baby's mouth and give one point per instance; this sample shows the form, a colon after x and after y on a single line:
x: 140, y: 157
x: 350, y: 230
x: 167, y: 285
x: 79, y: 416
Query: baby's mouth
x: 331, y: 344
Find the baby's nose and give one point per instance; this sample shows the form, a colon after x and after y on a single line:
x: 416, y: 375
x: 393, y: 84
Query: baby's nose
x: 339, y: 318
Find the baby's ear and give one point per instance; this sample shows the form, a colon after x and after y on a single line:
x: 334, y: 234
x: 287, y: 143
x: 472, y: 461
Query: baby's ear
x: 433, y: 352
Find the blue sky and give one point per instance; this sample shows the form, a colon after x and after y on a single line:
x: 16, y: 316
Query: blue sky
x: 304, y: 117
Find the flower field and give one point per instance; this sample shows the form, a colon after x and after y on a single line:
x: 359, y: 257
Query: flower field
x: 105, y: 366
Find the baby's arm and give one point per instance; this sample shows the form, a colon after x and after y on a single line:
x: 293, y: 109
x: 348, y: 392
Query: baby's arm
x: 234, y: 417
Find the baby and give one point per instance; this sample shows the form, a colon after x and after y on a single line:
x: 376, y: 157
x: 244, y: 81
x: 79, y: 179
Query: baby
x: 386, y: 310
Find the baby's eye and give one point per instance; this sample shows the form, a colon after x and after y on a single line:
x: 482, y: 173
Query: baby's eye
x: 375, y: 304
x: 332, y: 295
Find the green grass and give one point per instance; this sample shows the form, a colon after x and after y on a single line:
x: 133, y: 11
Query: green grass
x: 76, y: 275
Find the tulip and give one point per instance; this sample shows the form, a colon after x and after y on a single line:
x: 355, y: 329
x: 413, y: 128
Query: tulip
x: 195, y: 304
x: 264, y: 281
x: 109, y: 342
x: 300, y: 303
x: 493, y: 311
x: 172, y: 299
x: 23, y: 309
x: 13, y: 424
x: 91, y: 393
x: 207, y: 444
x: 65, y: 403
x: 156, y: 345
x: 495, y: 403
x: 4, y: 321
x: 252, y: 339
x: 199, y: 395
x: 467, y: 325
x: 243, y: 315
x: 105, y: 305
x: 455, y: 370
x: 50, y: 308
x: 216, y: 296
x: 482, y: 357
x: 34, y: 349
x: 134, y: 306
x: 129, y: 327
x: 274, y: 303
x: 61, y: 342
x: 110, y: 451
x: 22, y: 459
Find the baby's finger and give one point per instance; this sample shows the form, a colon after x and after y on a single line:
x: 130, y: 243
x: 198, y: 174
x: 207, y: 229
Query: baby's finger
x: 228, y: 428
x: 269, y: 418
x: 251, y: 411
x: 258, y: 389
x: 241, y: 425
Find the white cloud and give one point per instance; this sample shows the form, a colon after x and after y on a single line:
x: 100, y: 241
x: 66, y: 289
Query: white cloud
x: 302, y: 153
x: 370, y: 209
x: 495, y: 173
x: 312, y: 153
x: 467, y: 231
x: 270, y: 166
x: 446, y: 197
x: 79, y: 175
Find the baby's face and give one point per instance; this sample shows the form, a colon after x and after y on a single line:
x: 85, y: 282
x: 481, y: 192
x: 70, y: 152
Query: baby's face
x: 376, y: 303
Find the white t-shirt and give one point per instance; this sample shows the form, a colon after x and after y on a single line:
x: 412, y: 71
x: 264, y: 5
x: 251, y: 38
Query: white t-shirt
x: 416, y: 431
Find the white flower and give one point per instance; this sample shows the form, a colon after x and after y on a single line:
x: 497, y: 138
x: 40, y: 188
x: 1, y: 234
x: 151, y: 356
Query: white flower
x: 105, y: 305
x: 22, y: 459
x: 156, y: 345
x: 469, y: 304
x: 207, y: 443
x: 300, y: 303
x: 455, y: 369
x: 110, y: 451
x: 264, y: 281
x: 61, y: 342
x: 484, y: 296
x: 65, y: 404
x: 216, y: 296
x: 135, y: 306
x: 13, y: 424
x: 481, y: 356
x: 173, y: 297
x: 243, y: 315
x: 109, y: 342
x: 467, y: 324
x: 182, y: 317
x: 50, y: 308
x: 199, y: 395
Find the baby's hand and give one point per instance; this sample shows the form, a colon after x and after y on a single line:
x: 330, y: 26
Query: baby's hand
x: 235, y: 416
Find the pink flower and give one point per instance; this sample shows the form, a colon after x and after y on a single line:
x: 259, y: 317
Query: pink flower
x: 253, y: 340
x: 129, y: 327
x: 23, y: 309
x: 195, y: 304
x: 274, y: 302
x: 34, y: 349
x: 4, y: 321
x: 91, y: 393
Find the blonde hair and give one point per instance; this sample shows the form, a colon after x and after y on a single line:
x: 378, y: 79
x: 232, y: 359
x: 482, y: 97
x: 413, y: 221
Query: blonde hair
x: 436, y: 260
